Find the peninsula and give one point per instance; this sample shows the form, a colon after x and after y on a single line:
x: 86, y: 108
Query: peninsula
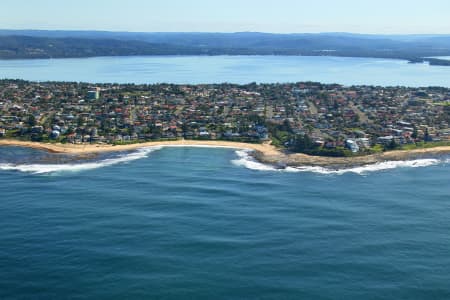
x: 302, y: 123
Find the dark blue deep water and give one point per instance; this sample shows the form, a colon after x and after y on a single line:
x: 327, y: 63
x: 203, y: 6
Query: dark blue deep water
x: 188, y: 223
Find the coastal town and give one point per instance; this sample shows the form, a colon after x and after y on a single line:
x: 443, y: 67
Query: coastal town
x: 307, y: 117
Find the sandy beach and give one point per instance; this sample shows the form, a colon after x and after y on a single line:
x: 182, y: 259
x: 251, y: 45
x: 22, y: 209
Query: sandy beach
x: 265, y: 152
x: 266, y: 148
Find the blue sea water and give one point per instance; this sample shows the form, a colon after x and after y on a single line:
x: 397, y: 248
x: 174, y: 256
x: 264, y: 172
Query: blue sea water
x: 202, y: 223
x: 233, y: 69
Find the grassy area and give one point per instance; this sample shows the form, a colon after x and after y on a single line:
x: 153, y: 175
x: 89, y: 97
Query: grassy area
x: 12, y: 133
x: 424, y: 145
x: 377, y: 149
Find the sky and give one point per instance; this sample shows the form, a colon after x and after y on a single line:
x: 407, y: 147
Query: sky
x: 279, y: 16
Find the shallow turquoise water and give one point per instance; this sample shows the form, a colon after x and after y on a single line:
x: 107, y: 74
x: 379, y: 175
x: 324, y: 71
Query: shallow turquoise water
x: 234, y: 69
x: 189, y: 223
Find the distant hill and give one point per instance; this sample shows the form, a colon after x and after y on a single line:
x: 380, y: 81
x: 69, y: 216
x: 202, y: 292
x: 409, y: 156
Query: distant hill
x: 44, y: 44
x: 44, y: 47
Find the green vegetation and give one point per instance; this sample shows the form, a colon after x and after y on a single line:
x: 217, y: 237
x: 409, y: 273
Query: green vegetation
x: 424, y: 145
x: 377, y: 149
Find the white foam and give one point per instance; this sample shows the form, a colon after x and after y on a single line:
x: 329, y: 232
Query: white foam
x: 247, y: 161
x: 51, y: 168
x: 381, y: 166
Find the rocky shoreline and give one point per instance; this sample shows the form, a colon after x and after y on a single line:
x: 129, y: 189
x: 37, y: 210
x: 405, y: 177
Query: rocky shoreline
x: 300, y: 160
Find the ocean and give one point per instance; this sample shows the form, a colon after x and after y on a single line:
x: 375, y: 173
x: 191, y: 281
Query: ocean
x: 232, y: 69
x: 203, y: 223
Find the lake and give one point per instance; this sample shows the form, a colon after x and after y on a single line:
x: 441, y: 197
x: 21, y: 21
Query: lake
x: 233, y: 69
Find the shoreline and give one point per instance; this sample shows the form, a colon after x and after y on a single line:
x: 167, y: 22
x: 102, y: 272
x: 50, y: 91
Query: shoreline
x: 265, y: 153
x: 265, y: 148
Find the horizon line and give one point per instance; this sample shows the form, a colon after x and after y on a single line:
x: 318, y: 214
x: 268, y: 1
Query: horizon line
x: 227, y: 32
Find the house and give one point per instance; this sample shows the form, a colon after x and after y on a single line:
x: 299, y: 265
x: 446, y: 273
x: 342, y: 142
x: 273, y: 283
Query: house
x: 352, y: 145
x: 385, y: 140
x: 203, y: 131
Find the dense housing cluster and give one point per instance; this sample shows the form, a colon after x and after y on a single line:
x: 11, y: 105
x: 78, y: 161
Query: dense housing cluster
x: 305, y: 117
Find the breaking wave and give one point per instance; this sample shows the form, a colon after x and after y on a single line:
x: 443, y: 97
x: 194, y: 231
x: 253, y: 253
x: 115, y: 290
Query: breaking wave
x: 247, y: 161
x: 51, y: 168
x: 244, y: 159
x: 85, y: 166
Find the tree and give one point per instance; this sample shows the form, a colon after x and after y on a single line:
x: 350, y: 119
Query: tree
x: 392, y: 145
x: 414, y: 134
x: 286, y: 126
x: 426, y: 136
x: 302, y: 143
x: 31, y: 121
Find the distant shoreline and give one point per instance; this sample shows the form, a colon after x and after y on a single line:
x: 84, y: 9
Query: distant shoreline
x: 47, y: 44
x: 416, y: 60
x: 265, y: 153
